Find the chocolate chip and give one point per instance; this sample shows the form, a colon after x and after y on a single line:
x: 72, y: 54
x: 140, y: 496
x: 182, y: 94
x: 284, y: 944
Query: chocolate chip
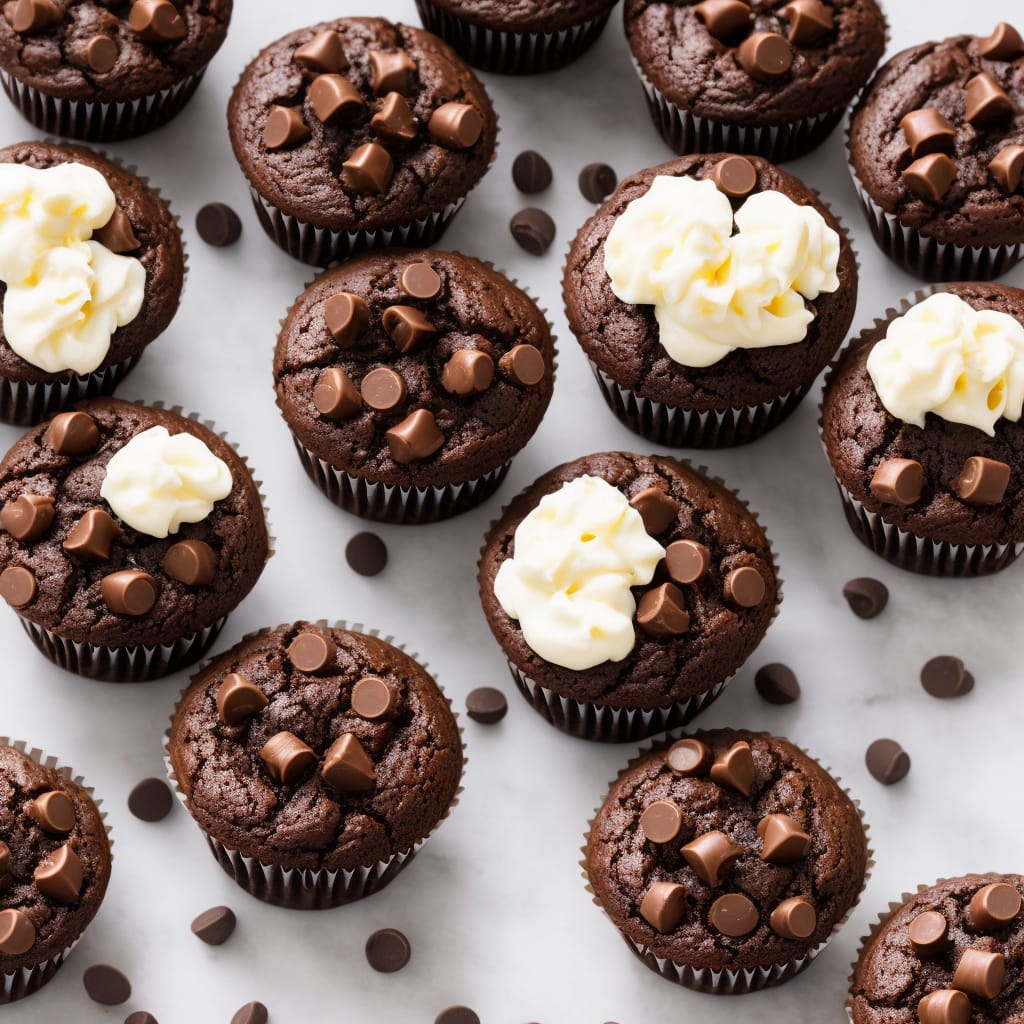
x: 129, y: 592
x: 1005, y: 43
x: 383, y: 389
x: 420, y: 281
x: 28, y: 517
x: 456, y: 125
x: 287, y: 758
x: 687, y: 560
x: 887, y: 761
x: 723, y: 18
x: 735, y: 176
x: 408, y: 328
x: 35, y: 15
x: 387, y: 950
x: 191, y: 562
x: 416, y: 437
x: 809, y: 21
x: 5, y: 857
x: 994, y: 906
x: 238, y: 699
x: 523, y: 365
x: 898, y: 481
x: 107, y: 985
x: 597, y: 182
x: 101, y: 54
x: 322, y: 53
x: 930, y: 176
x: 214, y: 926
x: 140, y: 1017
x: 745, y: 587
x: 765, y: 56
x: 987, y: 101
x: 531, y: 172
x: 92, y: 536
x: 17, y: 932
x: 390, y: 72
x: 663, y: 905
x: 866, y: 597
x: 733, y: 915
x: 284, y: 127
x: 17, y: 586
x: 533, y: 230
x: 334, y: 97
x: 151, y: 800
x: 982, y: 481
x: 117, y: 234
x: 366, y: 554
x: 735, y: 768
x: 487, y: 705
x: 784, y: 841
x: 394, y: 123
x: 59, y: 875
x: 72, y: 433
x: 347, y: 316
x: 929, y: 934
x: 218, y: 225
x: 777, y: 683
x: 312, y: 652
x: 662, y: 613
x: 157, y: 21
x: 368, y: 169
x: 661, y: 821
x: 53, y: 811
x: 1007, y: 167
x: 657, y: 509
x: 712, y: 856
x: 980, y: 973
x: 927, y: 131
x: 347, y: 767
x: 944, y: 1006
x: 372, y: 698
x: 468, y: 372
x: 335, y: 396
x: 945, y: 677
x: 794, y: 918
x: 251, y: 1013
x: 689, y: 757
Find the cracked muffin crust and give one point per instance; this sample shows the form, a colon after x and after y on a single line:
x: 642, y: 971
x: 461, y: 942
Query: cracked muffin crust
x: 823, y: 861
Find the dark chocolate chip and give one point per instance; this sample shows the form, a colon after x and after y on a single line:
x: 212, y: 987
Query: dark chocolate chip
x: 486, y: 704
x: 251, y: 1013
x: 140, y: 1017
x: 457, y: 1015
x: 366, y: 554
x: 387, y: 950
x: 150, y: 800
x: 214, y: 926
x: 107, y: 985
x: 218, y: 225
x: 945, y: 677
x: 866, y: 597
x: 777, y: 683
x: 533, y: 230
x: 1007, y: 167
x: 887, y: 761
x: 531, y: 172
x: 597, y: 182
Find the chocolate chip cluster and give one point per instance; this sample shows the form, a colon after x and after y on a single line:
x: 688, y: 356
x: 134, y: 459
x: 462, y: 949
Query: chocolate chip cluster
x: 981, y: 481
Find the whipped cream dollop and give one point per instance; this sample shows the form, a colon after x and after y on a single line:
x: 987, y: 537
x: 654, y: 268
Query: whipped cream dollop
x: 945, y: 357
x: 159, y: 480
x: 576, y: 556
x: 66, y: 295
x: 714, y: 291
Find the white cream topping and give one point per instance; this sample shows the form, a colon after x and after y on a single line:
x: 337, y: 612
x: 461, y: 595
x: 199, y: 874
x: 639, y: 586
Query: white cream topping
x: 66, y: 295
x: 158, y: 481
x: 576, y: 556
x: 714, y: 291
x: 945, y: 357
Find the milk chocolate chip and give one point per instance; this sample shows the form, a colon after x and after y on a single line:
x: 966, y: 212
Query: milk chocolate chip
x: 72, y: 433
x: 663, y: 905
x: 28, y: 517
x: 930, y: 176
x: 689, y: 757
x: 312, y: 652
x: 335, y: 396
x: 53, y: 811
x: 157, y: 21
x: 59, y: 875
x: 794, y: 918
x: 383, y: 389
x: 733, y: 915
x: 784, y: 841
x: 809, y: 21
x: 468, y: 372
x: 980, y: 973
x: 390, y: 72
x: 983, y: 481
x: 101, y: 54
x: 420, y: 281
x: 987, y: 101
x: 347, y: 316
x: 657, y: 509
x: 191, y: 562
x: 372, y: 698
x: 117, y: 234
x: 662, y: 612
x: 35, y: 15
x: 284, y: 127
x: 898, y: 481
x: 394, y: 123
x: 929, y: 934
x: 368, y: 169
x: 334, y: 96
x: 523, y: 365
x: 92, y: 536
x: 735, y: 768
x: 712, y: 856
x: 17, y: 932
x: 323, y: 53
x: 765, y: 56
x: 745, y: 587
x: 661, y: 821
x: 944, y: 1006
x: 735, y: 176
x: 994, y: 906
x: 18, y: 586
x: 129, y: 592
x: 456, y: 125
x: 723, y: 18
x: 927, y: 131
x: 1005, y: 43
x: 287, y: 758
x: 687, y: 560
x: 416, y: 437
x: 238, y: 699
x: 408, y: 328
x: 347, y: 767
x: 1007, y: 167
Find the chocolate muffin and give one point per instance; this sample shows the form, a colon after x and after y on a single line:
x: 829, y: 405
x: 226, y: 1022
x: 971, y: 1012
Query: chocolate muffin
x: 520, y: 38
x: 316, y: 760
x: 921, y: 421
x: 107, y: 69
x: 409, y: 379
x: 128, y: 534
x: 55, y: 858
x: 129, y: 271
x: 625, y: 590
x: 358, y: 133
x: 937, y: 154
x: 948, y: 953
x: 759, y: 77
x: 726, y: 859
x: 719, y: 340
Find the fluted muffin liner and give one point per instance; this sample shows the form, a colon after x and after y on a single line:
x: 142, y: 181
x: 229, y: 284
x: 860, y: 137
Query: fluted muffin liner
x: 306, y: 888
x: 139, y: 663
x: 99, y: 120
x: 904, y: 548
x: 24, y: 981
x: 507, y: 52
x: 608, y: 723
x: 728, y: 981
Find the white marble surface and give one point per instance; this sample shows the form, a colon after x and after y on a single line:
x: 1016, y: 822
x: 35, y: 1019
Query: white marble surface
x: 494, y: 906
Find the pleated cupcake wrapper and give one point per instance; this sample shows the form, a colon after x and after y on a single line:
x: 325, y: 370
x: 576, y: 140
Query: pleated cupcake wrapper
x: 511, y: 53
x: 24, y: 981
x: 727, y: 981
x: 139, y: 663
x: 608, y: 723
x: 904, y: 548
x: 97, y: 120
x: 305, y: 888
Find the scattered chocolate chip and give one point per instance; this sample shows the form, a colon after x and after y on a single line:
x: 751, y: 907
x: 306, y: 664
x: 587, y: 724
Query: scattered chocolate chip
x: 944, y: 1006
x: 28, y: 517
x: 284, y: 127
x: 597, y: 181
x: 468, y: 372
x: 140, y: 1017
x: 987, y: 101
x: 687, y: 560
x: 531, y: 173
x: 765, y: 56
x: 53, y: 811
x: 416, y: 437
x: 930, y: 176
x: 117, y: 234
x: 107, y: 985
x: 927, y: 131
x: 784, y: 841
x: 982, y: 481
x: 1005, y: 43
x: 456, y: 125
x: 101, y: 54
x: 347, y: 767
x: 945, y: 677
x: 689, y: 757
x: 662, y: 613
x: 214, y: 926
x: 368, y: 169
x: 794, y: 918
x: 777, y: 683
x: 251, y: 1013
x: 745, y: 587
x: 723, y: 18
x: 523, y: 365
x: 994, y: 906
x: 387, y: 950
x: 366, y: 554
x: 929, y: 934
x: 980, y: 973
x: 1007, y: 167
x: 157, y: 21
x: 735, y: 176
x: 663, y: 905
x: 420, y: 281
x: 809, y: 21
x: 661, y: 821
x: 347, y: 316
x: 92, y: 536
x: 390, y: 72
x: 866, y: 597
x: 35, y: 15
x: 335, y: 396
x: 735, y: 768
x: 887, y: 761
x: 312, y: 652
x: 323, y: 53
x: 394, y: 123
x: 151, y: 800
x: 129, y: 592
x: 733, y: 915
x: 17, y: 586
x: 383, y: 389
x: 487, y: 705
x: 334, y: 97
x: 17, y: 932
x: 238, y: 699
x: 218, y: 225
x: 657, y: 509
x: 408, y: 328
x: 533, y: 230
x: 72, y: 433
x: 372, y: 698
x: 59, y: 875
x: 287, y: 758
x: 191, y: 562
x: 712, y: 856
x: 898, y: 481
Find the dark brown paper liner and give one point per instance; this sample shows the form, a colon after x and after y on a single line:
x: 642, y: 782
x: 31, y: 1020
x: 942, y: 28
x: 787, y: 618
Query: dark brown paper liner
x: 307, y: 889
x: 26, y: 980
x: 511, y: 53
x: 97, y: 121
x: 728, y: 981
x: 904, y: 548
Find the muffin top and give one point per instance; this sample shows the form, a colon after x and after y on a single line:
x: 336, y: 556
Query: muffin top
x: 950, y: 468
x: 308, y: 746
x: 414, y: 367
x: 638, y: 583
x: 625, y: 339
x: 359, y: 123
x: 716, y: 63
x: 726, y: 850
x: 56, y: 860
x: 110, y: 50
x: 124, y: 524
x: 526, y: 15
x: 140, y: 230
x: 936, y: 139
x: 958, y: 941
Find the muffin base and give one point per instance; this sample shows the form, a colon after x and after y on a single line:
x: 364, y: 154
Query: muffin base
x: 511, y: 53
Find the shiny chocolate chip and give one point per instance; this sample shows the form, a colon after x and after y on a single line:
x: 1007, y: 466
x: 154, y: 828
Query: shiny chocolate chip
x: 101, y: 54
x: 53, y: 811
x: 898, y: 481
x: 372, y: 698
x: 531, y: 173
x: 930, y: 177
x: 783, y: 840
x: 867, y: 597
x: 284, y: 127
x: 287, y: 758
x: 982, y: 481
x: 663, y: 905
x: 129, y: 592
x: 712, y: 856
x: 93, y: 536
x: 59, y: 875
x: 18, y: 586
x: 929, y: 934
x: 214, y: 926
x: 335, y: 396
x: 657, y: 509
x: 745, y: 587
x: 218, y: 225
x: 238, y: 699
x: 533, y: 230
x: 794, y: 918
x: 689, y: 757
x: 809, y: 21
x: 334, y: 97
x: 28, y: 517
x: 927, y: 131
x: 157, y: 21
x: 661, y: 821
x: 72, y: 433
x: 1005, y: 43
x: 994, y: 906
x: 456, y: 125
x: 987, y: 101
x: 323, y: 53
x: 368, y: 169
x: 117, y: 234
x: 777, y: 683
x: 1007, y: 167
x: 17, y: 932
x: 408, y: 328
x: 887, y: 761
x: 765, y: 56
x: 597, y: 181
x: 945, y: 676
x: 734, y: 915
x: 723, y: 18
x: 391, y: 71
x: 347, y: 316
x: 735, y: 768
x: 468, y: 372
x: 312, y: 652
x: 347, y: 767
x: 661, y: 612
x: 416, y: 437
x: 394, y: 123
x: 523, y: 365
x: 383, y: 389
x: 735, y: 176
